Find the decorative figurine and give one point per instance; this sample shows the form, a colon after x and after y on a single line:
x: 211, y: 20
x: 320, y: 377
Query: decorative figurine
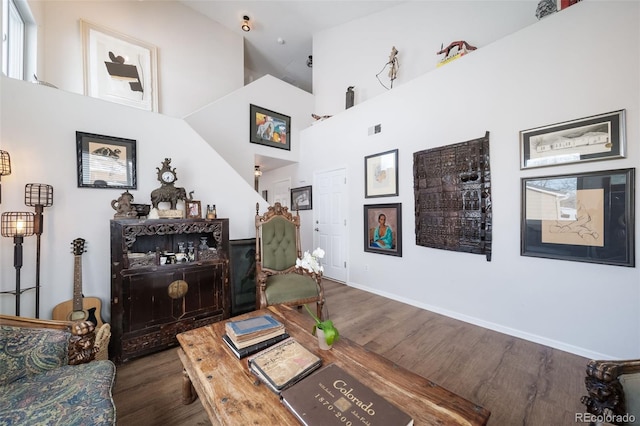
x: 462, y: 48
x: 168, y: 192
x: 123, y: 206
x: 350, y: 97
x: 393, y: 65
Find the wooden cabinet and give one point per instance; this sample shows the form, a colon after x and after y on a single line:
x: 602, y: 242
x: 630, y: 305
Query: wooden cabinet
x: 152, y: 302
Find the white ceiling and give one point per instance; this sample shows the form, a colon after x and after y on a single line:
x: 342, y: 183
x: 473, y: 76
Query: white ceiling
x: 294, y: 22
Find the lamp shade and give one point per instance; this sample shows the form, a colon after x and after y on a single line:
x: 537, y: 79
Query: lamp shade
x: 38, y: 194
x: 17, y: 224
x: 5, y: 163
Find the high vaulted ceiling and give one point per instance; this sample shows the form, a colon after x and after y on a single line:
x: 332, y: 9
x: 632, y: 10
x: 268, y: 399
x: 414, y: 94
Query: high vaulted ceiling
x: 280, y: 40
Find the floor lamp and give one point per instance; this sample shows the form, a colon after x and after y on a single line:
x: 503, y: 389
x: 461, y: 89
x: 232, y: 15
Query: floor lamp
x: 38, y: 195
x: 17, y: 225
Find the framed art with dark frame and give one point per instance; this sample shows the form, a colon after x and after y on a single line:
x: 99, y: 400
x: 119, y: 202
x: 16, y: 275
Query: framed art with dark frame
x: 269, y: 128
x: 105, y: 161
x: 599, y: 137
x: 381, y: 174
x: 119, y: 68
x: 193, y: 209
x: 243, y: 275
x: 383, y: 229
x: 583, y: 217
x: 301, y: 198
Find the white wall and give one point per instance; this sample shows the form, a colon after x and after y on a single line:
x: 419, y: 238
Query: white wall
x: 558, y: 69
x: 225, y: 122
x: 198, y: 59
x: 353, y: 53
x: 37, y: 128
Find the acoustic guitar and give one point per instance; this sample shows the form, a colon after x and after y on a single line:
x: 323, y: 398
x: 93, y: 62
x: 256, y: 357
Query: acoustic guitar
x: 80, y: 308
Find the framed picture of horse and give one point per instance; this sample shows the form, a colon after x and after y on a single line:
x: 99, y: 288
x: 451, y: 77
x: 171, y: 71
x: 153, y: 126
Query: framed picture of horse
x: 269, y: 128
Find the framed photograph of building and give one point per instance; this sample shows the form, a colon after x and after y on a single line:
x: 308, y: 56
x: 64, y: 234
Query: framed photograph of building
x: 584, y: 217
x: 119, y: 68
x: 105, y: 161
x: 381, y: 174
x: 599, y: 137
x: 269, y: 128
x: 301, y: 198
x: 383, y: 229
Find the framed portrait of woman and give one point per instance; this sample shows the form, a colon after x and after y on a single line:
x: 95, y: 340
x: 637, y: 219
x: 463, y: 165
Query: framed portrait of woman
x: 383, y: 229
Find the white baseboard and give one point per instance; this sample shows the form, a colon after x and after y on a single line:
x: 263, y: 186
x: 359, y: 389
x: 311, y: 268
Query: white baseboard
x: 576, y: 350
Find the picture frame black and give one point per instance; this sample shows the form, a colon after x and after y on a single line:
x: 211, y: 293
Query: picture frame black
x: 583, y: 217
x: 598, y: 137
x: 375, y: 243
x: 105, y: 161
x: 242, y: 272
x: 381, y: 174
x: 301, y: 198
x: 269, y: 128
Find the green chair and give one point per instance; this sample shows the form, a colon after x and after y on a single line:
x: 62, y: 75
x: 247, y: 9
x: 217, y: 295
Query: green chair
x: 278, y: 281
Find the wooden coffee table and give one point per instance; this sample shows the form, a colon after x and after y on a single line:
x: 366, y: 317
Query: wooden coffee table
x: 232, y: 395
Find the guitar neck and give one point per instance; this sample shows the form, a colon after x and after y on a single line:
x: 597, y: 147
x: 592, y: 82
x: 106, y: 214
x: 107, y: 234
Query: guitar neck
x: 77, y: 283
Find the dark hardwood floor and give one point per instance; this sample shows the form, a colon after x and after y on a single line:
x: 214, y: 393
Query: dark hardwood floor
x: 520, y: 382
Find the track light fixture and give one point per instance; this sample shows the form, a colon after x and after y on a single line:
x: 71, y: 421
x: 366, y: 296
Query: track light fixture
x: 245, y: 24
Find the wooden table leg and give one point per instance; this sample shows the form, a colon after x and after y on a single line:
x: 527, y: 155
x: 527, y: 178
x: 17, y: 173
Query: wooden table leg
x: 188, y: 392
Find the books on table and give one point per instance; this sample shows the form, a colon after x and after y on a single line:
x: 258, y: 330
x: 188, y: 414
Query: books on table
x: 332, y: 396
x: 283, y: 364
x: 251, y: 331
x: 250, y: 350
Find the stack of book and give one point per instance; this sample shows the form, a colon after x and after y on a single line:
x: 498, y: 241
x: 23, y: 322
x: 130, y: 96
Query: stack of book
x: 283, y: 364
x: 249, y: 336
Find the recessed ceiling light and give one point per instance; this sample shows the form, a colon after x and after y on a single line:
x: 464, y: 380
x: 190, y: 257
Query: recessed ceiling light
x: 245, y: 24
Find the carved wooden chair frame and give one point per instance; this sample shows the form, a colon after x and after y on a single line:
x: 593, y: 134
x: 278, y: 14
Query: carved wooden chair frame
x: 605, y: 392
x: 263, y: 273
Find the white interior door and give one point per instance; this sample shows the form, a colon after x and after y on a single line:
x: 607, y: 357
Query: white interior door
x: 330, y: 221
x: 281, y: 192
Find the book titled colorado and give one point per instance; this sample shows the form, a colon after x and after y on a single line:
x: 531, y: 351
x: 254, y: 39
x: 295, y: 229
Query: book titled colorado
x: 332, y: 396
x: 283, y: 364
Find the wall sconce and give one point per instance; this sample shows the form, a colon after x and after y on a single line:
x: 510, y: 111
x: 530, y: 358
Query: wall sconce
x: 245, y: 24
x: 310, y: 61
x: 38, y: 195
x: 17, y: 225
x: 256, y: 173
x: 5, y: 167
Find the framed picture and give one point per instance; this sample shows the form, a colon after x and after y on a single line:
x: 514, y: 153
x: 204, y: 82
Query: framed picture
x: 265, y: 195
x: 383, y: 229
x: 584, y: 217
x: 193, y: 209
x: 243, y: 275
x: 600, y: 137
x: 119, y: 68
x: 301, y: 198
x: 381, y: 174
x: 105, y: 161
x: 269, y: 128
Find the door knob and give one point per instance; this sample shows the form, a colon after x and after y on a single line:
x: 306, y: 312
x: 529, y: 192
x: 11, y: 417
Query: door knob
x: 317, y: 230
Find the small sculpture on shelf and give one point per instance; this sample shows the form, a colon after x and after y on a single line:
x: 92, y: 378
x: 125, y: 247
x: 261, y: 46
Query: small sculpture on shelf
x: 123, y: 206
x: 461, y: 48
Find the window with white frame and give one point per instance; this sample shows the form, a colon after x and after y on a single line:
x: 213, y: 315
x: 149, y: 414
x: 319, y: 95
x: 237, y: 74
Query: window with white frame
x: 17, y: 28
